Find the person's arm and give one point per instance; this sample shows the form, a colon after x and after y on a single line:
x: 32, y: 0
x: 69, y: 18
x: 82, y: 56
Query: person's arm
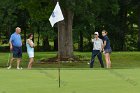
x: 10, y: 43
x: 21, y: 40
x: 104, y: 44
x: 11, y: 46
x: 30, y: 43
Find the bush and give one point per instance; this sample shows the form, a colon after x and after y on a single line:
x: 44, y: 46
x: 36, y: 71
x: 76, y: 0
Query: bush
x: 130, y: 43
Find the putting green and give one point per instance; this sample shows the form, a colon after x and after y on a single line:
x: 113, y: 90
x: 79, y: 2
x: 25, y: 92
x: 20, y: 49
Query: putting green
x: 72, y: 81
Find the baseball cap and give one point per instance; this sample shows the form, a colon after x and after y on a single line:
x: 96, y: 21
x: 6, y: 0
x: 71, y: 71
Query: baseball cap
x: 96, y: 33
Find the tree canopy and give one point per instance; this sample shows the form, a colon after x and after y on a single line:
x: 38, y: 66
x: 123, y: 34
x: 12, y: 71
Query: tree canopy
x: 121, y: 18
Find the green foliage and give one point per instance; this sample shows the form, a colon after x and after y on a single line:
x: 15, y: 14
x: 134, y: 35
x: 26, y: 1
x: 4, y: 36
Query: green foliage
x: 89, y: 16
x: 131, y: 43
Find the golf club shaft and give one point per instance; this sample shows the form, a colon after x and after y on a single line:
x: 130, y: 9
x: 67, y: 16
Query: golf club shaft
x: 9, y: 58
x: 94, y: 57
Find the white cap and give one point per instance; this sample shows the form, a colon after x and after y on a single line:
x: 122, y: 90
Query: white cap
x: 96, y: 33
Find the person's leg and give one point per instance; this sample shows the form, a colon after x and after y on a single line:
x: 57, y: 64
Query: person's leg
x: 30, y: 63
x: 10, y: 64
x: 11, y: 61
x: 94, y: 53
x: 100, y: 59
x: 18, y: 62
x: 107, y: 61
x: 14, y: 55
x: 19, y: 56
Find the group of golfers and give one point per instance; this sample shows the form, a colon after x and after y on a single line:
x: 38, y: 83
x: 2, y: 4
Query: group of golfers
x: 99, y: 46
x: 16, y: 48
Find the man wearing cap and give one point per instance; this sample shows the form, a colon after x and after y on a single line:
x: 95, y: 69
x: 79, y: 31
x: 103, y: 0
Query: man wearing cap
x: 97, y: 48
x: 16, y: 47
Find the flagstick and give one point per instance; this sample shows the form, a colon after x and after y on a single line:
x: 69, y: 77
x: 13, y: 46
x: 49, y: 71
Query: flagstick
x: 59, y: 61
x: 57, y: 16
x: 59, y: 76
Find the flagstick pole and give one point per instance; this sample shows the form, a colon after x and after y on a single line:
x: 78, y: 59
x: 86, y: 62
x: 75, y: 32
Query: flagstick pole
x: 59, y: 76
x: 57, y: 16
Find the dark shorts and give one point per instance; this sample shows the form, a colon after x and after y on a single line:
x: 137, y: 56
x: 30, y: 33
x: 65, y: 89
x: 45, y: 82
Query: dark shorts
x: 107, y: 51
x: 17, y: 52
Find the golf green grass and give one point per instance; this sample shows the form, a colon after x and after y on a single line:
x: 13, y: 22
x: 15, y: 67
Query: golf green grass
x: 72, y: 81
x: 76, y: 77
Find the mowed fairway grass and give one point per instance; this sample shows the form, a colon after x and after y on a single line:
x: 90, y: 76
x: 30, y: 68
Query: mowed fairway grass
x: 124, y: 77
x: 72, y: 81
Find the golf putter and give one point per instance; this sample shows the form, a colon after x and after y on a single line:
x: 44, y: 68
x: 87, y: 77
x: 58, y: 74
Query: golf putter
x: 9, y: 58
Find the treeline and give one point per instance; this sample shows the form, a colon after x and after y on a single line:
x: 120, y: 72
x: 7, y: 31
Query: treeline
x: 121, y: 18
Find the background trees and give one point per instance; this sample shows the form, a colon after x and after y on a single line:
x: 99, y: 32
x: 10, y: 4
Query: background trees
x: 121, y: 18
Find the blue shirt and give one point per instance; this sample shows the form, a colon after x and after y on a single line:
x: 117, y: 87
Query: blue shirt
x: 107, y: 42
x: 15, y: 39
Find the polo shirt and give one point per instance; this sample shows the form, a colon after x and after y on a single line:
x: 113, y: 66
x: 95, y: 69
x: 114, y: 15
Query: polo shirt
x: 15, y: 39
x: 97, y: 44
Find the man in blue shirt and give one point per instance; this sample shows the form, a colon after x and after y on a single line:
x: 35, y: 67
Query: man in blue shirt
x: 16, y: 47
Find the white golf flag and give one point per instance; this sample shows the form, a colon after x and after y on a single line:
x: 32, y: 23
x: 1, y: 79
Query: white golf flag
x: 56, y: 15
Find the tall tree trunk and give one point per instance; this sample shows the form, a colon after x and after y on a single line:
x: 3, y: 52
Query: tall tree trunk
x: 81, y: 41
x: 139, y: 28
x: 65, y: 40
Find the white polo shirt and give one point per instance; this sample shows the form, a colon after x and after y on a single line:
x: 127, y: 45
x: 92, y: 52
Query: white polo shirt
x: 97, y: 44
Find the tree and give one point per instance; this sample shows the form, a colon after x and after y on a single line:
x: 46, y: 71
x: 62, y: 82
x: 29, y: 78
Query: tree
x: 65, y: 39
x: 82, y: 19
x: 136, y: 11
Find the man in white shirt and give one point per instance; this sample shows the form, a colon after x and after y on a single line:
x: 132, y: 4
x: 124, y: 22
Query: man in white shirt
x: 97, y: 48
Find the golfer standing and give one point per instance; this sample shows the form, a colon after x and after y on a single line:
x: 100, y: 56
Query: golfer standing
x: 30, y: 50
x: 97, y: 48
x: 107, y: 49
x: 16, y: 47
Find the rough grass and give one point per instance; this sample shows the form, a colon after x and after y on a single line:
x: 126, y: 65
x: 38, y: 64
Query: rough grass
x: 119, y: 60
